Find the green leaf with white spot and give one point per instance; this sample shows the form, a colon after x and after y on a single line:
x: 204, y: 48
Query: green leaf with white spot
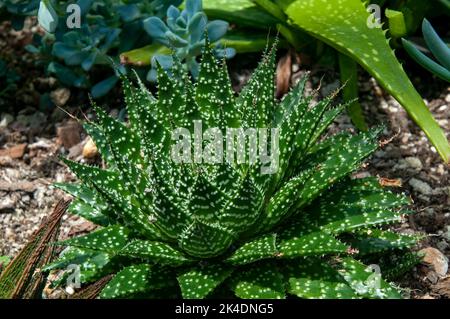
x: 199, y: 282
x: 298, y: 240
x: 372, y: 241
x: 109, y: 239
x: 313, y: 278
x: 260, y: 248
x: 354, y: 205
x: 205, y: 240
x: 80, y: 208
x: 101, y: 142
x: 130, y: 280
x: 155, y: 252
x: 343, y: 159
x: 259, y: 282
x: 243, y: 207
x: 256, y: 101
x: 80, y: 192
x: 366, y: 281
x: 170, y: 105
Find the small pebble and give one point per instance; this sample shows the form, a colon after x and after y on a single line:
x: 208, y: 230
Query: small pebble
x: 414, y: 162
x: 420, y: 186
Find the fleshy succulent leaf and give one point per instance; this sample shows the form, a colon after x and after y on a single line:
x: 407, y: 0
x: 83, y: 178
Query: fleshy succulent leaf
x: 365, y: 282
x: 130, y: 280
x: 213, y: 92
x: 201, y: 239
x: 88, y: 212
x: 186, y: 35
x: 110, y: 239
x: 99, y: 138
x: 372, y: 241
x: 296, y: 242
x: 197, y: 283
x: 313, y: 278
x: 259, y: 93
x: 153, y: 251
x: 262, y: 282
x: 261, y: 248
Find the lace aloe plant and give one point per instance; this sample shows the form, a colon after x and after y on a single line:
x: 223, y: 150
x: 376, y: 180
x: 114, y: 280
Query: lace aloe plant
x: 197, y: 230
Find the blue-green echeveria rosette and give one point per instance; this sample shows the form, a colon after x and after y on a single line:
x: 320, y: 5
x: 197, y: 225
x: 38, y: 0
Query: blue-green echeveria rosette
x: 185, y: 33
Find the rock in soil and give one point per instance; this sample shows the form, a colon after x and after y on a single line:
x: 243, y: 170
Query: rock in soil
x: 436, y: 259
x: 90, y: 149
x: 60, y: 96
x: 14, y: 152
x: 420, y: 186
x: 69, y: 134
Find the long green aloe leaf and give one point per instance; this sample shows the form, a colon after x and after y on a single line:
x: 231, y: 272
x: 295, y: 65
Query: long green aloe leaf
x: 343, y: 25
x: 242, y: 12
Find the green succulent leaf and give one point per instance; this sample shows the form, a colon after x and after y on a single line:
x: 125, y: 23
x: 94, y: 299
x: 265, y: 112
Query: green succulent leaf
x: 110, y: 239
x: 439, y: 48
x: 99, y: 138
x: 130, y: 280
x: 243, y: 208
x: 315, y: 279
x: 154, y: 252
x: 374, y: 241
x: 259, y: 94
x: 80, y: 208
x: 262, y: 282
x: 337, y: 212
x: 342, y: 159
x: 214, y: 98
x: 425, y: 61
x: 261, y: 248
x: 242, y: 12
x: 365, y: 282
x: 201, y: 239
x: 198, y: 282
x: 79, y: 191
x: 294, y: 242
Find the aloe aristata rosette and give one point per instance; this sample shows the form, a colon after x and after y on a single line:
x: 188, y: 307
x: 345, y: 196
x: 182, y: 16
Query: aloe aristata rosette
x: 203, y: 230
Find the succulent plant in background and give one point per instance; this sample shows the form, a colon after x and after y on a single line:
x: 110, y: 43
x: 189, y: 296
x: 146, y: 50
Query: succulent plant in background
x: 8, y: 78
x: 184, y: 33
x: 197, y: 230
x: 438, y: 48
x: 107, y: 29
x: 17, y: 10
